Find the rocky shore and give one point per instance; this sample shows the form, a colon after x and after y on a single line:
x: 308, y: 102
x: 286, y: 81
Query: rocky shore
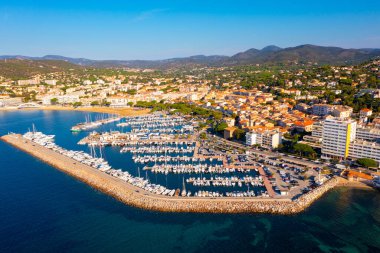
x: 140, y: 198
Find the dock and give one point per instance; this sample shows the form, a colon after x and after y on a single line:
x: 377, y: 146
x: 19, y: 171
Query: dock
x: 141, y: 198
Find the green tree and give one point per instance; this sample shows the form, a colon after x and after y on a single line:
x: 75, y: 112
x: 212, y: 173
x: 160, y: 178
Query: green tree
x: 94, y: 103
x: 239, y: 133
x: 54, y: 101
x: 220, y: 127
x: 304, y: 150
x: 77, y: 104
x: 367, y: 162
x: 132, y: 92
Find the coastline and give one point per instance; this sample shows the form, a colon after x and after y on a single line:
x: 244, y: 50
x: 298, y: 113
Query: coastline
x: 354, y: 184
x: 98, y: 109
x: 140, y: 198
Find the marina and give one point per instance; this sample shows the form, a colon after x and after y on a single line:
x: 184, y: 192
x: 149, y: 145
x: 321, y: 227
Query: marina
x: 133, y: 195
x: 169, y: 173
x: 164, y: 158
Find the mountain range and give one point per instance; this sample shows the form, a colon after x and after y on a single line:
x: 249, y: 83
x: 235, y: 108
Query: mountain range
x: 267, y: 55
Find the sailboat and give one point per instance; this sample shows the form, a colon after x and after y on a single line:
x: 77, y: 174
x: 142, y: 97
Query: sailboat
x: 183, y: 193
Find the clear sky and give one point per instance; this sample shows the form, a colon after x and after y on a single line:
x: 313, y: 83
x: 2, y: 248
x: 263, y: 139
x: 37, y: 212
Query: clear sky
x: 138, y: 29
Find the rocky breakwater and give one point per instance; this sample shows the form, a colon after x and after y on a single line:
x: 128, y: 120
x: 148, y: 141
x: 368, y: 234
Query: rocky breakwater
x: 141, y: 198
x: 307, y: 199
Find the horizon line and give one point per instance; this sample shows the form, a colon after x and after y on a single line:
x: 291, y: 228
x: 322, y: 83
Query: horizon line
x: 14, y: 56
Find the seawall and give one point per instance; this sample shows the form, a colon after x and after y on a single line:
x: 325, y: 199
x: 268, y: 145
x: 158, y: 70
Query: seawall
x: 141, y: 198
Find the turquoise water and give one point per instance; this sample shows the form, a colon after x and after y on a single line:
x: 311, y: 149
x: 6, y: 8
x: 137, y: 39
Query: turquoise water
x: 44, y: 210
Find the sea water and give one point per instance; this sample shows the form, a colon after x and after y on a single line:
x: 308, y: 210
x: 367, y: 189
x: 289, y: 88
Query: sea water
x: 45, y: 210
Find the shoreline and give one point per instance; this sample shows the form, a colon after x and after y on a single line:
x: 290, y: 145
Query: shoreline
x: 355, y: 184
x: 98, y: 109
x: 143, y: 199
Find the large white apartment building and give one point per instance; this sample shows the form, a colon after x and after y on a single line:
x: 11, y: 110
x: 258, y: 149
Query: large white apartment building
x: 368, y: 133
x: 365, y: 149
x: 343, y: 139
x: 63, y: 99
x: 266, y: 138
x: 337, y: 135
x: 117, y: 101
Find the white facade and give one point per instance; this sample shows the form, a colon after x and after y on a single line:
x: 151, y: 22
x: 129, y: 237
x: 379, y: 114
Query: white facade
x: 51, y: 82
x: 342, y: 112
x: 316, y: 133
x: 336, y: 137
x: 368, y: 134
x: 117, y: 101
x: 365, y: 149
x: 28, y: 82
x: 322, y: 109
x: 64, y: 99
x: 251, y: 138
x: 268, y: 139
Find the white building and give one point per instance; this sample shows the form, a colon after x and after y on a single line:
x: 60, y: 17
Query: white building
x: 192, y: 97
x: 337, y: 135
x: 63, y: 99
x: 322, y: 109
x: 316, y: 134
x: 51, y: 82
x: 87, y: 82
x: 265, y: 138
x: 364, y: 114
x: 28, y: 82
x: 365, y: 149
x: 251, y: 138
x: 100, y: 81
x: 342, y: 112
x: 117, y: 101
x: 368, y: 133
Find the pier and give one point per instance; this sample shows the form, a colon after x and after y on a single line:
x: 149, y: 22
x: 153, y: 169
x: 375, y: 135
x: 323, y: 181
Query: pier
x: 89, y: 124
x: 141, y: 198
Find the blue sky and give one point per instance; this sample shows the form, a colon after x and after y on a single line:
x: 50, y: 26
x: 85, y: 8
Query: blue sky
x: 163, y: 29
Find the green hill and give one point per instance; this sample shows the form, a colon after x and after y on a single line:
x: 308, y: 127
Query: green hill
x: 24, y: 68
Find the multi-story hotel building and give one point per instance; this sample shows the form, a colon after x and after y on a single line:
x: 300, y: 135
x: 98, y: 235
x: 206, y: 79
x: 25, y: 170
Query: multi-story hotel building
x: 368, y: 133
x: 365, y: 149
x: 337, y: 135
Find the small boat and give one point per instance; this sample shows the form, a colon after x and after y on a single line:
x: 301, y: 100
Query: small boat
x: 75, y: 129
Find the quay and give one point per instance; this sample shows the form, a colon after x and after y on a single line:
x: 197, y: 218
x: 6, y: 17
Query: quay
x: 89, y: 124
x: 137, y: 197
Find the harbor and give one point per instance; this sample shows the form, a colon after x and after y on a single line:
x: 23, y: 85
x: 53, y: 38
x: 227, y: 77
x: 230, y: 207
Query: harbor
x: 138, y: 197
x: 168, y: 159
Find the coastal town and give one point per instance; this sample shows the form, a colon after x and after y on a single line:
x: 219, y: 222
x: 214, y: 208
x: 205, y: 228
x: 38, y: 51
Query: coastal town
x: 258, y: 133
x: 211, y: 167
x: 190, y: 126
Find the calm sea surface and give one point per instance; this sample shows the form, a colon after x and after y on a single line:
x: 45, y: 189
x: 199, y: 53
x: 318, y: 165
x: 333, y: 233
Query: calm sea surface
x: 44, y: 210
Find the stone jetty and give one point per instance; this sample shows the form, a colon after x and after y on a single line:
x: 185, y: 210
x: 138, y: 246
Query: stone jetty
x: 140, y: 198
